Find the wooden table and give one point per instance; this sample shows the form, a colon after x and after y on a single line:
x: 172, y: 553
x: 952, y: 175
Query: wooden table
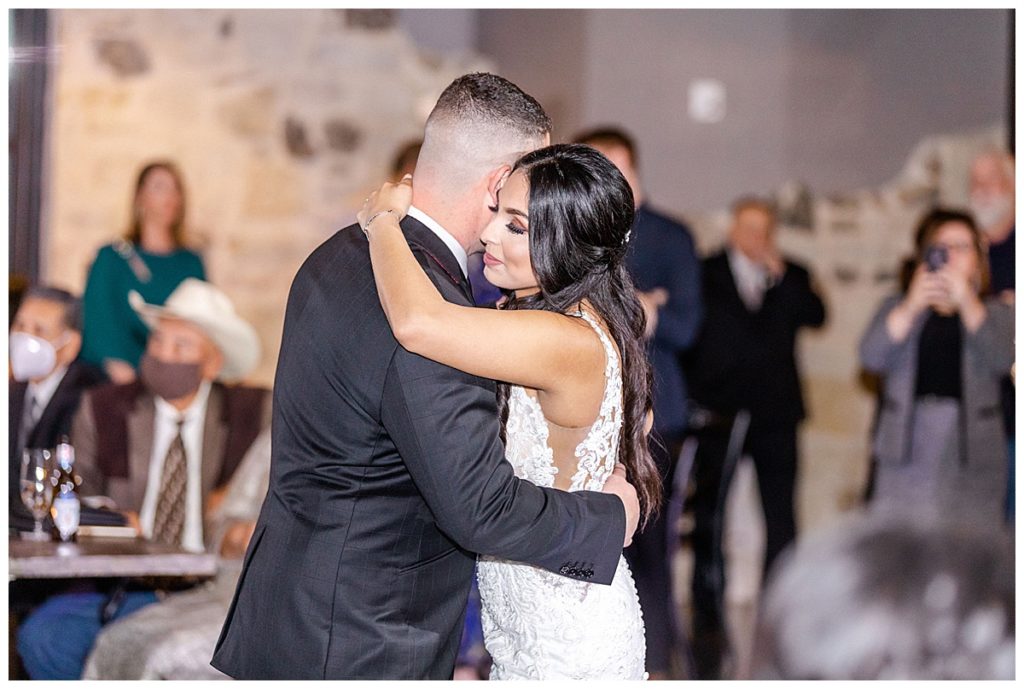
x: 104, y: 557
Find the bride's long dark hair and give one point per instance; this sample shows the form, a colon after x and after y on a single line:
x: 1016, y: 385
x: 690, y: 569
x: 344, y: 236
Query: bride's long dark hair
x: 580, y: 213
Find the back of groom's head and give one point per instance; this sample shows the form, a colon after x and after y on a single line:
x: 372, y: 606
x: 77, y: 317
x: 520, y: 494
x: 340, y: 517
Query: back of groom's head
x: 487, y: 99
x: 481, y: 121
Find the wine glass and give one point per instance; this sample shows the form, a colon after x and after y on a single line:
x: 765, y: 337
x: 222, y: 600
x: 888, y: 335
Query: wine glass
x: 37, y: 488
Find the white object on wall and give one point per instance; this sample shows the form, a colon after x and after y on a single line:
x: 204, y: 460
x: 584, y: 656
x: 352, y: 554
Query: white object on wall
x: 706, y: 101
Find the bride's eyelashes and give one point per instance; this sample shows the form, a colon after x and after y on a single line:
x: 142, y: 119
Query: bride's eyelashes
x: 515, y: 230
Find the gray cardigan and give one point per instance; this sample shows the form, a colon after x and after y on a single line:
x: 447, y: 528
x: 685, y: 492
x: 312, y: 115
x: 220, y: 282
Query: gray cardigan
x: 986, y: 358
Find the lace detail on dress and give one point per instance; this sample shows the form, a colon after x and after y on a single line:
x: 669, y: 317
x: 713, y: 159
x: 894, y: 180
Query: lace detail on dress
x: 526, y: 431
x: 537, y: 624
x: 600, y: 449
x: 526, y: 440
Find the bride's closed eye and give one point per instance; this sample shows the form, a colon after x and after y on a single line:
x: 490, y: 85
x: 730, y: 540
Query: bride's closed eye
x: 514, y: 229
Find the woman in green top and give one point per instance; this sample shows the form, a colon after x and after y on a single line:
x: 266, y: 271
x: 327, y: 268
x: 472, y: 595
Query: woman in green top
x: 150, y: 259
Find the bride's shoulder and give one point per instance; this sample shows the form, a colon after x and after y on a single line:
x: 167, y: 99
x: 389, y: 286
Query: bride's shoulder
x: 597, y: 327
x: 584, y: 327
x: 576, y: 400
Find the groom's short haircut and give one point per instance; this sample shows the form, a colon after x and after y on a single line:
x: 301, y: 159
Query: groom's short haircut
x: 489, y: 99
x: 480, y: 121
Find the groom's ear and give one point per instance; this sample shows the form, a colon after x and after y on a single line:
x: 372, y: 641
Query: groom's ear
x: 495, y: 179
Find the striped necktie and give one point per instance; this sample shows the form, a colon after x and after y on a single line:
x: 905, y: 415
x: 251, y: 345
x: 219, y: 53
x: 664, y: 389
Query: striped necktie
x: 169, y: 522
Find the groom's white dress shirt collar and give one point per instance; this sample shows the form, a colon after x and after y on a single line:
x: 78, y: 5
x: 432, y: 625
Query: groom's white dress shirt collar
x: 444, y: 236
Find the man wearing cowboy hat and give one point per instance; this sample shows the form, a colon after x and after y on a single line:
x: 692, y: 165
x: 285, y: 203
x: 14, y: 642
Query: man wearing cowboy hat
x: 163, y: 448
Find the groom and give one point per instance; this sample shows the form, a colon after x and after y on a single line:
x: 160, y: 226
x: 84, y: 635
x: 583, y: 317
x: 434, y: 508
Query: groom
x: 388, y: 475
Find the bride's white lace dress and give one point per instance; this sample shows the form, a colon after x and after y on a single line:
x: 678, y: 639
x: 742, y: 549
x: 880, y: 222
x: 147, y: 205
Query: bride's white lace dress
x: 537, y: 624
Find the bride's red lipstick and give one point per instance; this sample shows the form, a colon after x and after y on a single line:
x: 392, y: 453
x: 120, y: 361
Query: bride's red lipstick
x: 490, y: 260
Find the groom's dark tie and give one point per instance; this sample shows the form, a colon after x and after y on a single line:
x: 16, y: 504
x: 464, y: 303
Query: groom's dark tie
x: 468, y: 289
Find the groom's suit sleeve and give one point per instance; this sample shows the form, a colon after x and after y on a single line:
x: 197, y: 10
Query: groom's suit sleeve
x: 444, y: 424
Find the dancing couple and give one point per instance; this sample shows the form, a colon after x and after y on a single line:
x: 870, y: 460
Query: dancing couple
x: 415, y: 436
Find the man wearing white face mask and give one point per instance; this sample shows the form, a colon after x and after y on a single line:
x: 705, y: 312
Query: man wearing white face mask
x: 48, y: 378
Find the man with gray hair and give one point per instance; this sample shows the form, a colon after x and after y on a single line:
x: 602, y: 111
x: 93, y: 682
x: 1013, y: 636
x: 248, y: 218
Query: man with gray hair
x: 993, y: 204
x: 387, y: 472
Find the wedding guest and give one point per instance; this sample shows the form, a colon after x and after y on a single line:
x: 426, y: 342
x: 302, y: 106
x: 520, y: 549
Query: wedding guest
x: 150, y: 259
x: 872, y: 598
x: 993, y: 204
x: 48, y: 378
x: 666, y: 271
x: 744, y: 367
x: 175, y: 637
x: 942, y: 348
x: 163, y: 448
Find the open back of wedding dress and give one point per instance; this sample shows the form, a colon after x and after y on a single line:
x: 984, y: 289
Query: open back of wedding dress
x: 540, y: 625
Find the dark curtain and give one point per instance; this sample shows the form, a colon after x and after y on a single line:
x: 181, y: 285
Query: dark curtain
x: 27, y: 117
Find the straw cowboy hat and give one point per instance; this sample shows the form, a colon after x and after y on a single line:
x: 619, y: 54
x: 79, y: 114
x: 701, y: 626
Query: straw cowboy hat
x: 205, y: 306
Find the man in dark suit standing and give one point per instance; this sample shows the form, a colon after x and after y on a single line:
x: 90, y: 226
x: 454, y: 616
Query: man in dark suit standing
x: 387, y: 472
x: 744, y: 366
x: 666, y: 271
x: 48, y: 377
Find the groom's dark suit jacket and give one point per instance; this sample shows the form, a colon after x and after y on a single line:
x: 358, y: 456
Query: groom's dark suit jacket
x: 387, y: 478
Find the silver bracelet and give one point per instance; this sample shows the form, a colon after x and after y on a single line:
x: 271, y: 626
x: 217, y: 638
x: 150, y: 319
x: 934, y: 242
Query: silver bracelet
x: 373, y: 217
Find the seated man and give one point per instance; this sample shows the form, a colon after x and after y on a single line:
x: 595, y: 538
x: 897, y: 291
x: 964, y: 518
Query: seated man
x: 48, y: 377
x: 175, y: 638
x: 163, y: 448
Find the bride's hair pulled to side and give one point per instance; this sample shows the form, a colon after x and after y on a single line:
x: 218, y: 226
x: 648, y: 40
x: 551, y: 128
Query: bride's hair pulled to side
x: 580, y: 215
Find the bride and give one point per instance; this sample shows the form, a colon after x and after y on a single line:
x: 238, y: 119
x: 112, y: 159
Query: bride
x: 576, y: 397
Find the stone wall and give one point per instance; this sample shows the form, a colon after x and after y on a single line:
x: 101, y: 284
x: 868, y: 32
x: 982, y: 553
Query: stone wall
x: 280, y: 121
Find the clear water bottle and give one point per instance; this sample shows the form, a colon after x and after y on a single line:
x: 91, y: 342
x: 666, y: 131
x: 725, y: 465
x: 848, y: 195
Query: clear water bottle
x: 67, y: 508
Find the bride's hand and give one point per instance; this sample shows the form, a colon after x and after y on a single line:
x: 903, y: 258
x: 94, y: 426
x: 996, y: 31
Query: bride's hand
x: 394, y: 198
x: 618, y: 485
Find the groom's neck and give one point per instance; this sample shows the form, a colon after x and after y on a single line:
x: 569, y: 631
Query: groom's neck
x: 452, y: 213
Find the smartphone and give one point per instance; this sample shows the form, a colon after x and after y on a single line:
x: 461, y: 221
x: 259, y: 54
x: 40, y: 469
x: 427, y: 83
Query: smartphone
x: 936, y: 256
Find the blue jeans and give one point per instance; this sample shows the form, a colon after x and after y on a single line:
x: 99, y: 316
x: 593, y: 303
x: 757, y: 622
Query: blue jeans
x: 56, y: 637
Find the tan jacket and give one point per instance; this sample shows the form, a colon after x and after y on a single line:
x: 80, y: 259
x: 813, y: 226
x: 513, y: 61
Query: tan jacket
x: 113, y: 438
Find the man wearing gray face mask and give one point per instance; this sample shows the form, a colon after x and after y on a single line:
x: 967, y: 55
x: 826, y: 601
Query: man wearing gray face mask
x: 163, y: 449
x: 48, y: 378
